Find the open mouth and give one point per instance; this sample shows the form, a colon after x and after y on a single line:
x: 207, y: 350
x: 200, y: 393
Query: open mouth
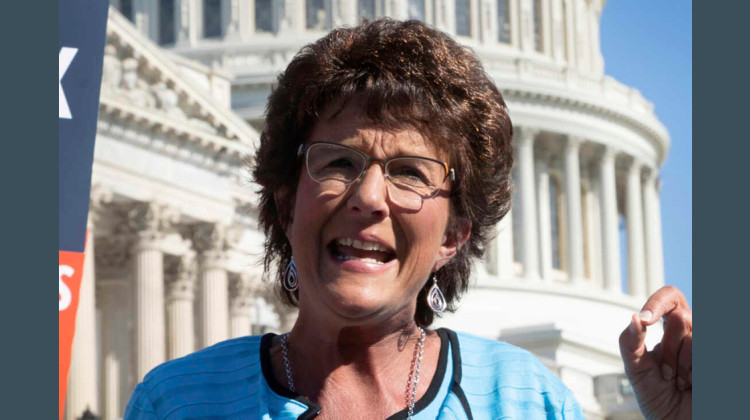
x: 345, y: 249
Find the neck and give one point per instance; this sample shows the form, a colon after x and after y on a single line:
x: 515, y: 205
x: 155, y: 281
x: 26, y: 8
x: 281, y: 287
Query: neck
x: 374, y: 358
x: 354, y: 344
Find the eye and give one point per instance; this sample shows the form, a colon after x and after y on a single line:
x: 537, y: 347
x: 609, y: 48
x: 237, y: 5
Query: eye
x: 343, y: 163
x: 408, y: 174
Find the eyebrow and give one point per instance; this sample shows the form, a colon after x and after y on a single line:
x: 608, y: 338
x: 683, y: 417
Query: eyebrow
x: 405, y: 146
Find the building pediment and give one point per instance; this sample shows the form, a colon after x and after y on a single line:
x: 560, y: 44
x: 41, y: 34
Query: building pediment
x: 141, y: 81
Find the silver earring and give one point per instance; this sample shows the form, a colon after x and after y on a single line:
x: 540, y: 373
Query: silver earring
x: 290, y: 276
x: 435, y: 299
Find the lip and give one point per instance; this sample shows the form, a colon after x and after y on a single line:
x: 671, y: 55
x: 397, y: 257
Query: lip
x: 360, y: 266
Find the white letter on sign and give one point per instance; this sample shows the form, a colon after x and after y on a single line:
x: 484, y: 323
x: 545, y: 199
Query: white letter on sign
x: 65, y: 295
x: 64, y: 59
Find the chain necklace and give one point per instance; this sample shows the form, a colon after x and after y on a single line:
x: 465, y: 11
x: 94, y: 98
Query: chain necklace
x: 411, y: 384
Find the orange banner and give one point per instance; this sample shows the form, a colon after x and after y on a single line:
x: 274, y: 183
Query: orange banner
x: 70, y: 273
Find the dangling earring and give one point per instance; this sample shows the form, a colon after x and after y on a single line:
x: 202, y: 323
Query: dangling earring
x: 290, y: 276
x: 435, y: 298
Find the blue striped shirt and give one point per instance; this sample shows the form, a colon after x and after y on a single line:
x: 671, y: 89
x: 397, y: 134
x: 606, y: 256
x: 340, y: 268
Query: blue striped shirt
x: 475, y: 378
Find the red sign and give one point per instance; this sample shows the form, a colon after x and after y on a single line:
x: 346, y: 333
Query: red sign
x: 70, y: 273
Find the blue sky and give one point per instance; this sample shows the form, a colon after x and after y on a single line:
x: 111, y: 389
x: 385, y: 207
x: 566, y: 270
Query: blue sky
x: 648, y: 45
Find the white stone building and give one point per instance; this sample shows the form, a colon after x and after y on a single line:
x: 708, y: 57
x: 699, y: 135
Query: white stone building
x: 172, y: 217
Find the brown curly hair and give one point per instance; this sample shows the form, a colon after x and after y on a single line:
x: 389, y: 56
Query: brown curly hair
x: 405, y: 73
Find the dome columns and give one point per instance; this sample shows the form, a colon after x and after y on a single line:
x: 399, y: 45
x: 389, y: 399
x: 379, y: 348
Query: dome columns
x: 543, y: 200
x: 636, y: 239
x: 610, y: 220
x: 586, y: 237
x: 574, y: 216
x: 652, y: 223
x: 526, y: 191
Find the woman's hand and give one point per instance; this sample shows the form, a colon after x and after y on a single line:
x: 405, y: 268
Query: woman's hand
x: 663, y: 377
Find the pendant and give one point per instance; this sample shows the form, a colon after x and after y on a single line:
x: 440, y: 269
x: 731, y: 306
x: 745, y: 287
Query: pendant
x: 290, y: 276
x: 436, y: 300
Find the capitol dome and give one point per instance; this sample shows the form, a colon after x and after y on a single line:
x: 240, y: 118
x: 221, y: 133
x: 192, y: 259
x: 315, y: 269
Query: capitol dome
x: 173, y: 218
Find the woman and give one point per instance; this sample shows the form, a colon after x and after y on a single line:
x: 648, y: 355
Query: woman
x: 384, y: 164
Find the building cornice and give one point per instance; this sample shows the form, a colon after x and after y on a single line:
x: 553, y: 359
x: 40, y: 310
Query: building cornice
x: 121, y: 31
x: 162, y: 123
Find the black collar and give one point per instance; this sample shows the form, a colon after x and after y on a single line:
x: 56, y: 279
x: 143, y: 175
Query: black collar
x: 314, y: 409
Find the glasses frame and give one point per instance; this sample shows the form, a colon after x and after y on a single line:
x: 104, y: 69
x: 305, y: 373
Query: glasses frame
x: 305, y: 147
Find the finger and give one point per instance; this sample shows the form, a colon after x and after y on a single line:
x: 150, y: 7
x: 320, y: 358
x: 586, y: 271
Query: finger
x: 677, y: 326
x: 685, y: 364
x: 633, y: 347
x: 656, y: 352
x: 663, y: 301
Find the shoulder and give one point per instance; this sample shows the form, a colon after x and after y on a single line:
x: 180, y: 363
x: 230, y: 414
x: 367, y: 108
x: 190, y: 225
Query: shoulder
x: 224, y: 357
x: 511, y: 380
x: 215, y: 373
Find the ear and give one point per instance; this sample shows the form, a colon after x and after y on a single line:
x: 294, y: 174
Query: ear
x: 453, y: 240
x: 286, y: 217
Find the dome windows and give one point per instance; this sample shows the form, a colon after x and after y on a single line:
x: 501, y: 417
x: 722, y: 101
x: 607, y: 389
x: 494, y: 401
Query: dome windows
x: 463, y: 18
x: 212, y: 18
x: 315, y: 15
x: 416, y: 10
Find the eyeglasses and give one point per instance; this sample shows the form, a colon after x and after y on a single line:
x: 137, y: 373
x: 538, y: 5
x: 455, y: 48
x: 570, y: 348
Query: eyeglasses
x: 409, y: 179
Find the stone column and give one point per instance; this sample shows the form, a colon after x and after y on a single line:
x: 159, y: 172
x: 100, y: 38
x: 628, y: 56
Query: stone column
x: 592, y: 227
x: 180, y: 300
x: 546, y: 32
x: 610, y: 234
x: 343, y: 12
x: 214, y: 300
x: 488, y: 22
x: 396, y: 9
x: 526, y: 192
x: 581, y: 23
x: 597, y: 60
x: 504, y: 248
x: 212, y: 241
x: 241, y: 292
x: 186, y: 13
x: 573, y: 211
x: 114, y: 292
x: 444, y: 16
x: 527, y: 25
x: 115, y: 347
x: 570, y: 31
x: 636, y: 245
x: 654, y: 251
x: 545, y: 228
x: 297, y: 15
x: 149, y: 220
x: 558, y: 37
x: 247, y: 19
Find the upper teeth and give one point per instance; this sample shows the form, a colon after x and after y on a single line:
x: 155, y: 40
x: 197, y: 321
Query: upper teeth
x: 367, y: 246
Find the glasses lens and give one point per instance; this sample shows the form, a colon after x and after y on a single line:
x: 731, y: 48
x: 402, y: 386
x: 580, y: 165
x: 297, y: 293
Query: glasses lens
x: 333, y: 163
x: 414, y: 179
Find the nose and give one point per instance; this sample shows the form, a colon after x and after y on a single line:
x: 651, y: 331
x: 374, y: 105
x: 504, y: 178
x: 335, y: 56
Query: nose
x: 369, y: 194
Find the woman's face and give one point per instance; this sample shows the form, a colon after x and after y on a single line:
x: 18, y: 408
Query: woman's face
x: 333, y: 233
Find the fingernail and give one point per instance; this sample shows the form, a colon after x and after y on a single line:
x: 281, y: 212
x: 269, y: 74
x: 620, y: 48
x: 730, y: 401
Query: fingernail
x: 646, y: 315
x: 680, y: 383
x: 667, y: 372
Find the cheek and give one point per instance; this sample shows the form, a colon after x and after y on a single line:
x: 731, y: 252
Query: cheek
x: 311, y: 210
x: 425, y: 230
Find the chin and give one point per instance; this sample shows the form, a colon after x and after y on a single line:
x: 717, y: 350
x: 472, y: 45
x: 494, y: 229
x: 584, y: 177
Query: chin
x: 359, y: 307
